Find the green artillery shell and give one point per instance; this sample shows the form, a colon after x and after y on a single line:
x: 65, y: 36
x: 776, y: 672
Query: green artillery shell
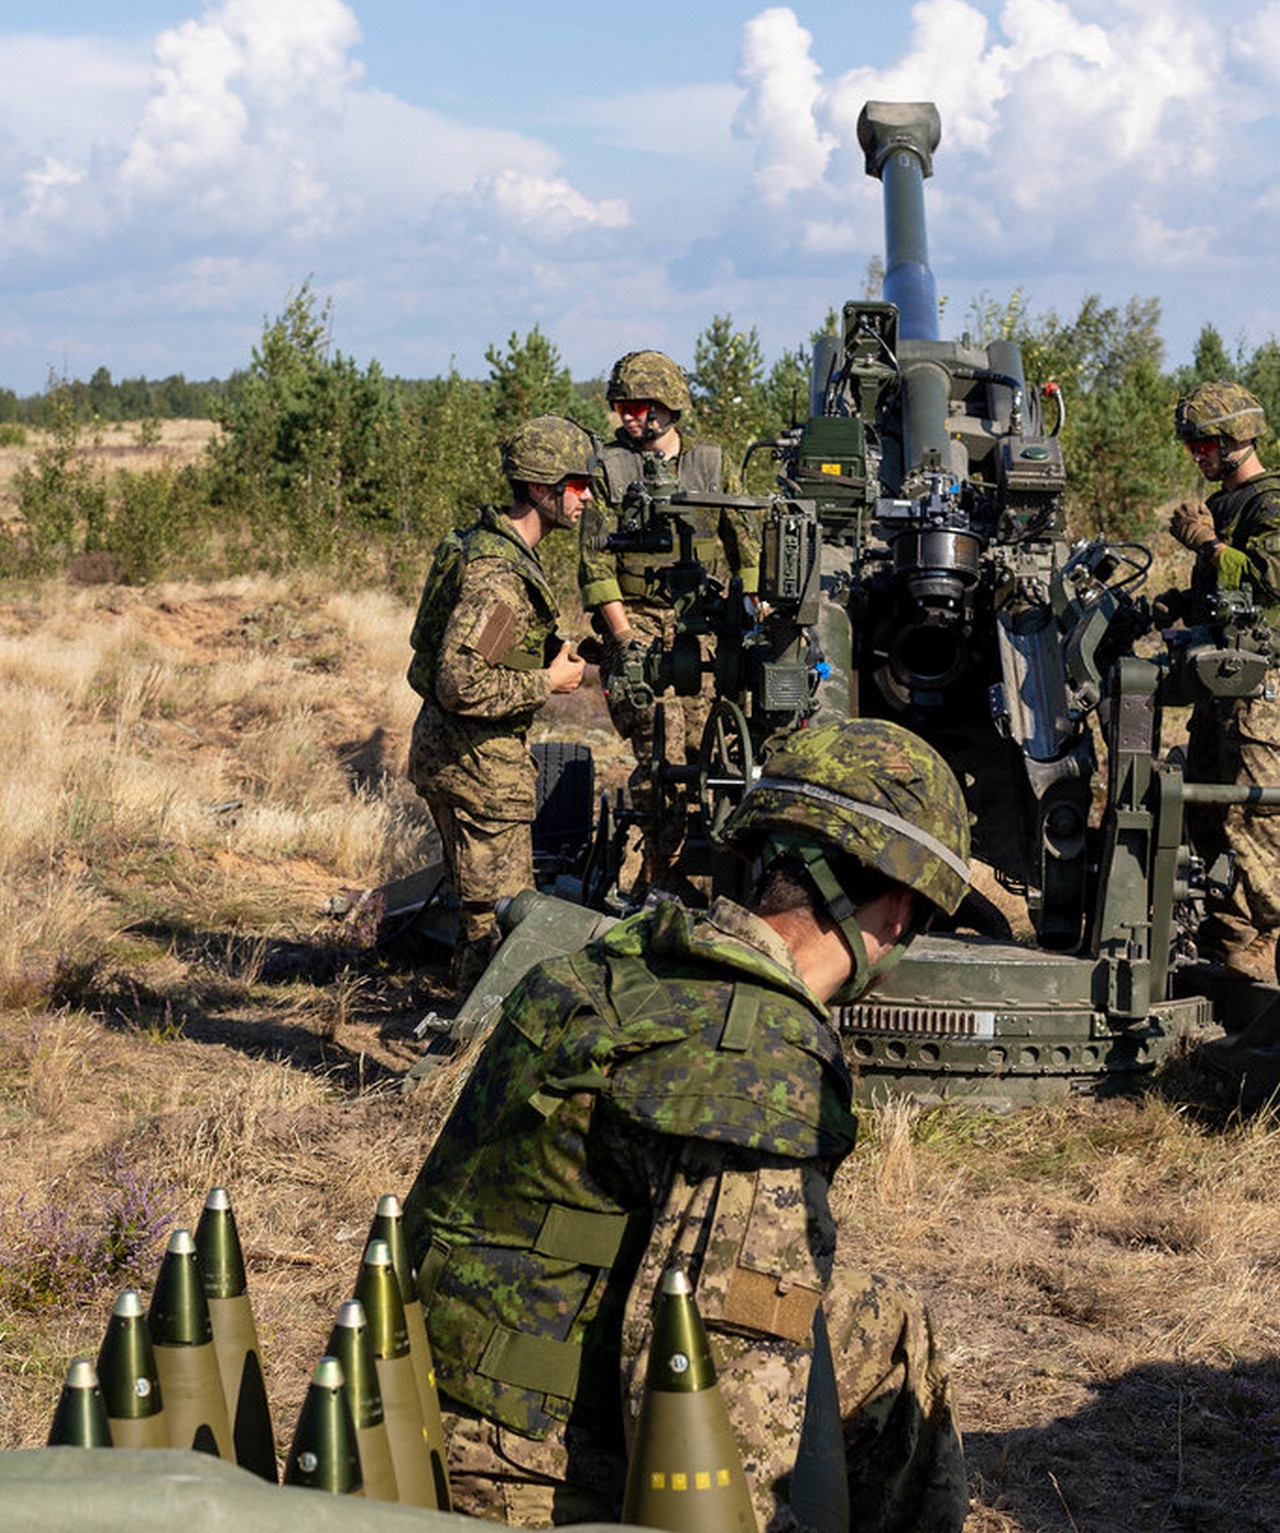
x: 129, y: 1378
x: 235, y: 1336
x: 323, y: 1455
x: 685, y: 1474
x: 195, y: 1409
x: 80, y: 1417
x: 379, y: 1293
x: 388, y: 1225
x: 349, y: 1343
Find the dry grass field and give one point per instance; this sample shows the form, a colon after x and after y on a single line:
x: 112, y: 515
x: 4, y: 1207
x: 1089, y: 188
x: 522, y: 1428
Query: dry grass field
x: 189, y: 776
x: 119, y: 445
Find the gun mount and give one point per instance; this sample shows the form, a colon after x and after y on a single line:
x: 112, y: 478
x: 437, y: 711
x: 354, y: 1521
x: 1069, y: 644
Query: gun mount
x: 917, y: 566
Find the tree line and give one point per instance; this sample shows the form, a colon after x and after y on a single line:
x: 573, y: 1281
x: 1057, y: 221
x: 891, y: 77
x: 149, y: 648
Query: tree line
x: 320, y: 461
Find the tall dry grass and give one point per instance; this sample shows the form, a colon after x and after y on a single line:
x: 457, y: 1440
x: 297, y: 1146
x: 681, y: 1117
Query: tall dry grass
x: 179, y: 741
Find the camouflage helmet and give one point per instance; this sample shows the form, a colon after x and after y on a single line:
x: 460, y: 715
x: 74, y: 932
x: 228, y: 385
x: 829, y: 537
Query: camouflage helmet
x: 650, y: 375
x: 872, y: 790
x: 546, y: 449
x: 1219, y: 409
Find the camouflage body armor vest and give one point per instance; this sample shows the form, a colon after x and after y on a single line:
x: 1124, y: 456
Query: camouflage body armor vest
x: 492, y: 537
x: 699, y: 469
x: 525, y: 1229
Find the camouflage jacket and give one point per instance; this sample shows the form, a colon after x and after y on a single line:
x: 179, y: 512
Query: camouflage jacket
x: 668, y: 1038
x: 1248, y: 517
x: 469, y: 741
x: 726, y: 540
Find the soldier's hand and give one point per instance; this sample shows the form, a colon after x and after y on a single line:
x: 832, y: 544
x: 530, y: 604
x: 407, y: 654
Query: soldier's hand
x: 1192, y: 525
x: 620, y: 645
x: 592, y: 650
x: 1169, y: 607
x: 566, y: 670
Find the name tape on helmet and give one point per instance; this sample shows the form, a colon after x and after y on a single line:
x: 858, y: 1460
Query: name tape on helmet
x: 885, y: 817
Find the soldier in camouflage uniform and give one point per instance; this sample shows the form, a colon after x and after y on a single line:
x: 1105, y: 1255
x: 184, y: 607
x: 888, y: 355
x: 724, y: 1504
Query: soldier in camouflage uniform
x: 676, y: 1092
x: 1235, y: 537
x: 486, y: 658
x: 624, y: 590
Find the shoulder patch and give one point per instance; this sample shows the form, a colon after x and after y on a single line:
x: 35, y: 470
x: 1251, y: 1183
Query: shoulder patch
x: 498, y: 634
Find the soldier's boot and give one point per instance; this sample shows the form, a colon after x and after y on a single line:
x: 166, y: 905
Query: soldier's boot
x: 1257, y: 960
x: 470, y: 960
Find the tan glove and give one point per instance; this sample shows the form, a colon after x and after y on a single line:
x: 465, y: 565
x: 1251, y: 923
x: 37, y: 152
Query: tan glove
x: 1192, y: 525
x: 619, y: 645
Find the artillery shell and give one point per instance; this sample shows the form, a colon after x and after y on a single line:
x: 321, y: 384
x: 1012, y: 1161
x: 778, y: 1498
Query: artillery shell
x: 388, y: 1225
x: 195, y: 1409
x: 80, y: 1417
x: 379, y: 1292
x: 349, y: 1343
x: 323, y: 1455
x: 235, y: 1336
x: 130, y: 1379
x: 685, y: 1473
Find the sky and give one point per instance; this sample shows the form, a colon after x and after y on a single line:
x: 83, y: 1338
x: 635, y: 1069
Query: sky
x: 172, y: 171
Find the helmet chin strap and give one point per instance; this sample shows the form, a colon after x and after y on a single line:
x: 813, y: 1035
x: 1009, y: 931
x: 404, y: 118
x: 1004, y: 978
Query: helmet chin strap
x: 844, y: 913
x: 652, y: 430
x: 552, y: 510
x: 1232, y: 463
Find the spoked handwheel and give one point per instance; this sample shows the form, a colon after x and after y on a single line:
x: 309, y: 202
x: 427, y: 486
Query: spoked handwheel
x: 727, y: 765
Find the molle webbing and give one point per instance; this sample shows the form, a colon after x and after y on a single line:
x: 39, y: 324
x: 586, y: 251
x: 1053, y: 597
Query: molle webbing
x: 538, y: 1363
x: 740, y: 1023
x: 583, y: 1237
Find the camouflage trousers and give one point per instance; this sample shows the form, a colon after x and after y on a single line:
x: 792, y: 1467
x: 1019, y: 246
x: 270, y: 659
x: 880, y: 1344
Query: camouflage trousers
x: 905, y: 1465
x: 1239, y: 743
x: 683, y: 721
x: 485, y: 860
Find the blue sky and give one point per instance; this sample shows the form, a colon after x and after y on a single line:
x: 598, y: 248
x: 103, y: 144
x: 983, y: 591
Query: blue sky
x: 448, y: 174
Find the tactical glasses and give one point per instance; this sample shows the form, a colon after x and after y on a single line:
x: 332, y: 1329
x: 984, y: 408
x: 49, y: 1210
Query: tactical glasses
x: 575, y: 482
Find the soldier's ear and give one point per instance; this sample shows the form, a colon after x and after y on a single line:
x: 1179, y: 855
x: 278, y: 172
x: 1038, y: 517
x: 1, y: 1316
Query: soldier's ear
x: 888, y: 917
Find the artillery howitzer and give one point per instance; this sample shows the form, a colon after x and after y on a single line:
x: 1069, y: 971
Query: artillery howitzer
x: 917, y: 566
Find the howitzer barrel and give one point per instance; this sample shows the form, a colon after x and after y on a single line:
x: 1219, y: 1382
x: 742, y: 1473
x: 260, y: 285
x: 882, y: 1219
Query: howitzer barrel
x: 898, y: 139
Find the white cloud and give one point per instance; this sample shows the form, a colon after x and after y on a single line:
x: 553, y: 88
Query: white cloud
x: 782, y: 92
x: 47, y: 186
x: 549, y: 206
x: 1078, y: 128
x: 391, y: 155
x: 253, y: 122
x: 238, y: 98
